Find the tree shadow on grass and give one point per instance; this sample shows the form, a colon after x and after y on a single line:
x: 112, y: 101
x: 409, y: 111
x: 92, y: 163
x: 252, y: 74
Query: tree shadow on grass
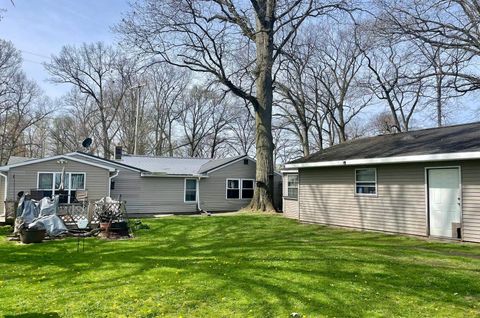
x: 274, y: 264
x: 35, y: 315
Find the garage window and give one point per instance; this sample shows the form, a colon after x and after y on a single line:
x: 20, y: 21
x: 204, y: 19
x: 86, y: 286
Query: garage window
x: 366, y: 181
x: 292, y: 186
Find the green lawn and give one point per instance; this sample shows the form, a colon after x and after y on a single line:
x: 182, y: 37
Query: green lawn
x: 241, y: 266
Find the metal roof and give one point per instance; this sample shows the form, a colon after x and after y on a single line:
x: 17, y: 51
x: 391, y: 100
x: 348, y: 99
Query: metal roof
x: 168, y: 165
x: 17, y: 159
x: 217, y: 163
x: 442, y: 140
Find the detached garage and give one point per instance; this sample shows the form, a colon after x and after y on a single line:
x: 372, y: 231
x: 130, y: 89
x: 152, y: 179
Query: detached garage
x: 424, y: 182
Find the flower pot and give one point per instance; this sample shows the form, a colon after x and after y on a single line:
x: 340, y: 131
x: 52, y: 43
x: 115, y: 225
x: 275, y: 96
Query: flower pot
x: 28, y: 236
x: 105, y: 226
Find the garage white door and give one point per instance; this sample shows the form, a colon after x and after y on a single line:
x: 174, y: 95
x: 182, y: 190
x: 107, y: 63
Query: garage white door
x: 444, y: 199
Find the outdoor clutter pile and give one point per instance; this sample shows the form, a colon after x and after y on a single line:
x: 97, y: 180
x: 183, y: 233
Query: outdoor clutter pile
x: 40, y: 220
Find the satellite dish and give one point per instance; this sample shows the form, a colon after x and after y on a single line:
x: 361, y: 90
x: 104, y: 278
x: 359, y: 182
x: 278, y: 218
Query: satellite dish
x: 87, y: 142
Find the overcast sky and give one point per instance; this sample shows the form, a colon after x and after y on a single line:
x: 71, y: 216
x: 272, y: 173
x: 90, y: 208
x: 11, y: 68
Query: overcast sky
x: 40, y: 28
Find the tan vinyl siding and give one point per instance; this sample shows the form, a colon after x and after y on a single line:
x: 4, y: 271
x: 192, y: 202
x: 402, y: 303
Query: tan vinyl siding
x: 147, y: 195
x: 290, y: 206
x: 471, y: 200
x: 326, y: 196
x: 24, y: 178
x: 213, y: 188
x: 162, y: 195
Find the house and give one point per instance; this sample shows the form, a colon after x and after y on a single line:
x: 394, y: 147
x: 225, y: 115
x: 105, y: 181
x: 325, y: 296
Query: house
x: 149, y: 185
x: 424, y: 182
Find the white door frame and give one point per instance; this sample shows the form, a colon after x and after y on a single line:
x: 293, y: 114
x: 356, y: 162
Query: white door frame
x: 427, y: 203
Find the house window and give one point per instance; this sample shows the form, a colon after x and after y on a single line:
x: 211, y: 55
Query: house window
x: 77, y: 181
x: 247, y: 188
x: 52, y: 183
x: 366, y: 181
x: 45, y: 181
x: 292, y: 185
x: 190, y: 190
x: 240, y: 188
x: 233, y: 188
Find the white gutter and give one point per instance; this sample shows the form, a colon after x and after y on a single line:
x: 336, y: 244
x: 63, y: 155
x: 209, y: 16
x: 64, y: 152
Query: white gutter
x: 166, y: 175
x: 110, y: 182
x: 386, y: 160
x: 289, y: 171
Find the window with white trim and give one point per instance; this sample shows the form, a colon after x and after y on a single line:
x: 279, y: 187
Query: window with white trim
x: 247, y: 188
x: 190, y: 190
x: 65, y: 184
x: 233, y: 188
x: 292, y: 186
x: 240, y: 188
x: 366, y: 181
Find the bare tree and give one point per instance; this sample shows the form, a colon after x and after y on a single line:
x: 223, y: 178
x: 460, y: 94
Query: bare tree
x: 166, y: 88
x: 206, y: 36
x: 74, y: 123
x: 450, y: 25
x: 195, y: 120
x: 338, y: 65
x: 391, y: 65
x: 297, y: 107
x: 96, y: 70
x: 241, y: 130
x: 22, y: 104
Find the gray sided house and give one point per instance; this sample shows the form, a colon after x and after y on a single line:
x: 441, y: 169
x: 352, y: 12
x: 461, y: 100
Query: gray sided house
x: 424, y: 182
x: 149, y: 185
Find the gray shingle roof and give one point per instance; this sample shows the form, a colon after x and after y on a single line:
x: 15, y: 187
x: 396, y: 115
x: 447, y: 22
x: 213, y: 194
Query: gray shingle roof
x: 450, y: 139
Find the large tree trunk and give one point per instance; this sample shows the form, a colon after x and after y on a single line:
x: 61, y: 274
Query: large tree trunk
x: 263, y: 196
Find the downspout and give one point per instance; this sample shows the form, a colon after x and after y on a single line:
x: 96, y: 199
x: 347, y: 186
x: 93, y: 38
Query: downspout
x: 5, y: 176
x: 198, y: 194
x: 110, y: 182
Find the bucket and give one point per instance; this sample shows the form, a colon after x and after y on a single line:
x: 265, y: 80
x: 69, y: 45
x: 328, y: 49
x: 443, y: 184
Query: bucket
x: 28, y: 236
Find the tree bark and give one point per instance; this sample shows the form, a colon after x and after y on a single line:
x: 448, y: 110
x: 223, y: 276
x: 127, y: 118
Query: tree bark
x: 263, y: 197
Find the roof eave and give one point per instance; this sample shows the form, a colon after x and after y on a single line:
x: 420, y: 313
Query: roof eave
x: 66, y: 157
x: 167, y: 175
x: 388, y: 160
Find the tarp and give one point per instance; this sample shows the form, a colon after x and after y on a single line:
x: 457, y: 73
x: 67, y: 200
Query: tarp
x: 40, y: 215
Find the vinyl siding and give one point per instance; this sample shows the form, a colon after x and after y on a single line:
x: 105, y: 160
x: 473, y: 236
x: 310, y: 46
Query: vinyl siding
x: 326, y: 196
x: 290, y: 206
x: 471, y: 200
x: 213, y: 189
x: 148, y: 195
x: 24, y: 178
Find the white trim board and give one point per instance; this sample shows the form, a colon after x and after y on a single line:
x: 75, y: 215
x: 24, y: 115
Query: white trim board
x: 29, y: 162
x: 387, y: 160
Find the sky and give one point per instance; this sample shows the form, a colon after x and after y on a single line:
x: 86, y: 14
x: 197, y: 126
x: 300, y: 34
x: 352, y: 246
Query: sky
x: 39, y: 28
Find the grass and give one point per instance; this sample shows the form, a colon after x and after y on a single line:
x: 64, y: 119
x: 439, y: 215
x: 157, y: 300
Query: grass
x: 241, y: 266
